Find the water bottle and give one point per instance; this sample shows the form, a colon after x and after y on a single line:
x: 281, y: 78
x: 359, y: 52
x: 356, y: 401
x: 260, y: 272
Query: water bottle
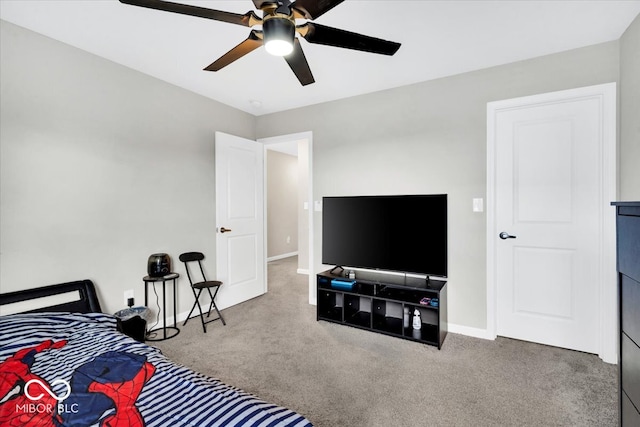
x: 417, y: 321
x: 405, y: 319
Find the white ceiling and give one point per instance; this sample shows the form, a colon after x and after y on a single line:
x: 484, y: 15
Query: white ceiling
x: 439, y: 38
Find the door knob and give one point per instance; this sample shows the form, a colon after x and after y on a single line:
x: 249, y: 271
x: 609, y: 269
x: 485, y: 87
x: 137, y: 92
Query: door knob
x: 504, y: 236
x: 224, y: 230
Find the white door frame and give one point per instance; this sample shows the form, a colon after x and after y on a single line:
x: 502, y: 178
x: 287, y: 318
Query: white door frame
x: 607, y: 282
x: 308, y: 136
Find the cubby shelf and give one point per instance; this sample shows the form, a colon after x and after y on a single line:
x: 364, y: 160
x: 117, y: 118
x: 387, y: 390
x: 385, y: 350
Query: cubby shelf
x: 376, y: 303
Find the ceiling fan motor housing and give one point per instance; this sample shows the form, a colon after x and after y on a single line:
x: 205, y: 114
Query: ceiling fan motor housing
x: 278, y: 29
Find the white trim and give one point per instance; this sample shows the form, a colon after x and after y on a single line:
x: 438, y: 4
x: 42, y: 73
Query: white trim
x: 608, y: 351
x: 607, y: 308
x: 470, y: 332
x: 282, y: 256
x: 180, y: 318
x: 302, y: 271
x: 491, y: 221
x: 308, y: 136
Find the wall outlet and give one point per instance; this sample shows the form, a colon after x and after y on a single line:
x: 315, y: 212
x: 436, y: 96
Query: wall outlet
x: 128, y: 294
x: 288, y: 239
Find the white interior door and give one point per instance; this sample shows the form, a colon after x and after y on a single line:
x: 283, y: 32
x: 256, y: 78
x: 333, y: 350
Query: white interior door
x: 551, y: 202
x: 240, y: 259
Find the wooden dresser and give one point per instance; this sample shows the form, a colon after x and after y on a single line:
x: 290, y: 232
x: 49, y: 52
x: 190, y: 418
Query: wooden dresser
x: 628, y: 251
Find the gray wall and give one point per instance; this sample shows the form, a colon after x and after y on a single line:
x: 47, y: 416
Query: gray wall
x: 282, y: 204
x: 431, y: 138
x: 101, y: 166
x: 630, y: 112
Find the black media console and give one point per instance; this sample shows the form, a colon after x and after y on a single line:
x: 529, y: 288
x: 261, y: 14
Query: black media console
x: 376, y: 302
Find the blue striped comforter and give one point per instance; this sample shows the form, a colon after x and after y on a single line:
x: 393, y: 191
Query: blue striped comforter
x: 59, y: 369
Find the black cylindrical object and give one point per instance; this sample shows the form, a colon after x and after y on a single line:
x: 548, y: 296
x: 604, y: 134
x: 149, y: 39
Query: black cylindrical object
x: 159, y: 265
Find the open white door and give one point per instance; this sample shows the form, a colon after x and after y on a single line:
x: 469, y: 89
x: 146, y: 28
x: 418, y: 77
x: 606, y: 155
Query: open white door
x: 240, y: 259
x: 550, y: 237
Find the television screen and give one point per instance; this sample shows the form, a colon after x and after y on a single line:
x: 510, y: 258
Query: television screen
x: 396, y: 233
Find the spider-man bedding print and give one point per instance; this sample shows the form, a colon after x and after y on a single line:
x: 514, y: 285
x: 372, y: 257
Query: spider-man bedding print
x: 76, y: 370
x: 15, y: 374
x: 103, y: 390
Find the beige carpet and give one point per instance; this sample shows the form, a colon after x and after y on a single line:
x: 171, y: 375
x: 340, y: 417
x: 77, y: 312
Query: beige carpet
x: 336, y: 375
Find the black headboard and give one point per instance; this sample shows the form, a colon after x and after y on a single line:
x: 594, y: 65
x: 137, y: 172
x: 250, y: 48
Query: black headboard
x: 86, y: 299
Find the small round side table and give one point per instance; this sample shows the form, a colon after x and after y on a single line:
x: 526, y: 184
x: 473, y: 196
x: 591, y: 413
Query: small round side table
x: 167, y: 331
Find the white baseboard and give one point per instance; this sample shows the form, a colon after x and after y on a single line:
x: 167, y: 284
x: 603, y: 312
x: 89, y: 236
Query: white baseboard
x: 179, y: 319
x: 302, y: 271
x: 452, y: 327
x: 469, y: 331
x: 282, y: 256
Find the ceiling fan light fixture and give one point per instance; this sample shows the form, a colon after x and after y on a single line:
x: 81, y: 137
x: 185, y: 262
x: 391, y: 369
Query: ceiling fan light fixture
x: 279, y: 47
x: 278, y: 36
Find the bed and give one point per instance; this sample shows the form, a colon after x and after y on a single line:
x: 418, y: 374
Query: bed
x: 65, y: 364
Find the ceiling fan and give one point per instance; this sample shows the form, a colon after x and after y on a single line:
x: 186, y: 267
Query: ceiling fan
x: 278, y: 31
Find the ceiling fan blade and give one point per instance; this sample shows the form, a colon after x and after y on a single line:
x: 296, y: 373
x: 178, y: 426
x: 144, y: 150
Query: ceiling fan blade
x: 248, y: 19
x: 311, y: 9
x: 299, y: 65
x: 320, y: 34
x: 253, y: 42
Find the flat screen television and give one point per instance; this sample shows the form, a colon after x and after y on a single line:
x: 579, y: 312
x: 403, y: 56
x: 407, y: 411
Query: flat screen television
x: 405, y: 233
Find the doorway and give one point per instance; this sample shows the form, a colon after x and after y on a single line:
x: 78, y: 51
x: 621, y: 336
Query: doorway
x: 300, y: 146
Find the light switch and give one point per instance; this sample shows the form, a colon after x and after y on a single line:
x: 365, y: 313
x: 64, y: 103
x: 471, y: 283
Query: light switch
x: 305, y: 206
x: 478, y: 205
x: 317, y: 205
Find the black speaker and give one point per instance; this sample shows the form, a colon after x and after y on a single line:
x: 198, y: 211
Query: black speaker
x: 159, y: 265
